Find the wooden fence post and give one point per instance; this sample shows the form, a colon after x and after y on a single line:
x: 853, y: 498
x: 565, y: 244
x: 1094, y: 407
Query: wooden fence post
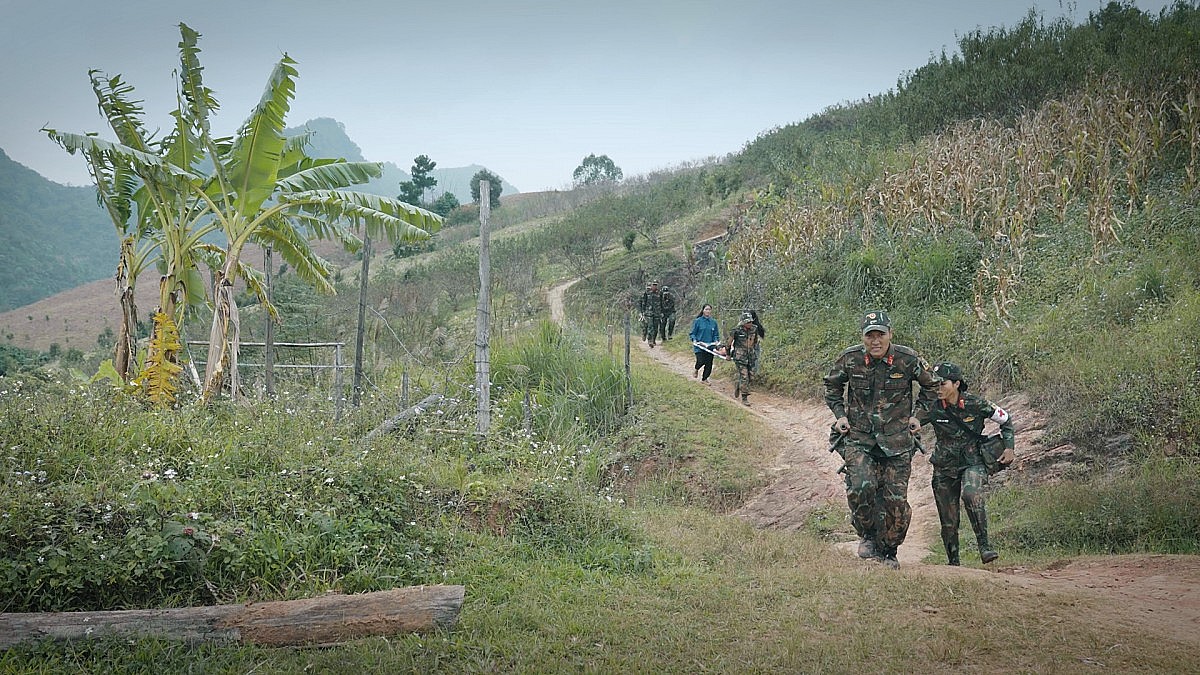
x: 482, y: 355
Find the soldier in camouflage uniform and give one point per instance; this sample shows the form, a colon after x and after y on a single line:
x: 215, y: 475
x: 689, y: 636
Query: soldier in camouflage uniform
x: 958, y: 469
x: 869, y: 389
x: 668, y: 313
x: 651, y: 307
x: 743, y: 341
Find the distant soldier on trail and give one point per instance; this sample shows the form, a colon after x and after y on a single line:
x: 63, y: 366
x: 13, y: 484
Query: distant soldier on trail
x: 668, y: 313
x: 762, y: 333
x: 742, y: 348
x: 651, y: 307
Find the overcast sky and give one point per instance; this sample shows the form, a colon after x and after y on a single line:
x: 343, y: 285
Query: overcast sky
x: 527, y: 88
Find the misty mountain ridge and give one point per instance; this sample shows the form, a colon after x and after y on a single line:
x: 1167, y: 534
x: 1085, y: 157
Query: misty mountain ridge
x: 55, y: 237
x: 329, y: 139
x: 52, y: 237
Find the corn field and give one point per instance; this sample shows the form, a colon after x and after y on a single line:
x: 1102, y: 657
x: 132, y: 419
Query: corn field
x: 1087, y: 158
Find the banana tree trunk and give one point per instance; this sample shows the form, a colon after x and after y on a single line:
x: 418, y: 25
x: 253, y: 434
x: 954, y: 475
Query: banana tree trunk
x: 126, y: 347
x: 224, y: 336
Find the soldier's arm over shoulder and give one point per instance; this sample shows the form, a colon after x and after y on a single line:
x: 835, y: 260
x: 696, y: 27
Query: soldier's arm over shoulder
x: 929, y: 382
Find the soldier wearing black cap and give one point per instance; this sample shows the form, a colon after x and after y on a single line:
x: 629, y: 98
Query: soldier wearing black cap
x: 958, y: 466
x: 667, y: 329
x: 870, y: 392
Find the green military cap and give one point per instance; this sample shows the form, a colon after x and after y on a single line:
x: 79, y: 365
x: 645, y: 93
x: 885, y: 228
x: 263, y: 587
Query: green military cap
x: 950, y: 371
x: 876, y: 319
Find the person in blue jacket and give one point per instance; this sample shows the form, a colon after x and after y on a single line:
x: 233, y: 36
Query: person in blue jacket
x: 704, y: 331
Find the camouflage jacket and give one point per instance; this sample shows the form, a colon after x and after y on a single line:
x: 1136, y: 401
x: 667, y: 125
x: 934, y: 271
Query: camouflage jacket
x: 957, y: 447
x: 742, y: 343
x: 651, y: 303
x: 668, y: 303
x: 876, y: 395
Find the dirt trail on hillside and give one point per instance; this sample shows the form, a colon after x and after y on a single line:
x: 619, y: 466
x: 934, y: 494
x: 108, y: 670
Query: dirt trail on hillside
x: 805, y: 474
x: 1155, y: 593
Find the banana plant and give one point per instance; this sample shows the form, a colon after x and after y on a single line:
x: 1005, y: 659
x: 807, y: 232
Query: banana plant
x: 256, y: 187
x: 267, y: 191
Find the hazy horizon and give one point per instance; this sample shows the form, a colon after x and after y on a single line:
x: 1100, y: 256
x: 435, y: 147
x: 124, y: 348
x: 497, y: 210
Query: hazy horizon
x: 527, y: 88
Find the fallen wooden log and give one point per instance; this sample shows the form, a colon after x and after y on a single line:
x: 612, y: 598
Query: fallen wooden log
x: 325, y: 620
x: 389, y: 425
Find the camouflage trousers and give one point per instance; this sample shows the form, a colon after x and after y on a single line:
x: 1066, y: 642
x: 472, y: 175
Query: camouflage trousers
x: 877, y: 493
x: 650, y: 327
x: 667, y: 327
x: 744, y: 369
x: 949, y: 485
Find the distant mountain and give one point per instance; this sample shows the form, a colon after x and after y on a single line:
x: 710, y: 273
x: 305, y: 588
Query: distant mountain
x: 52, y: 237
x: 329, y: 139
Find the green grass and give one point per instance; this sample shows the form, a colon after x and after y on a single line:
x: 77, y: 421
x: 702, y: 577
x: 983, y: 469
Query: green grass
x: 720, y: 596
x: 570, y: 560
x: 1148, y: 506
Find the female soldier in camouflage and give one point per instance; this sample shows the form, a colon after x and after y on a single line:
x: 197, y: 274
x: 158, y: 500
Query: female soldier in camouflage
x: 958, y: 469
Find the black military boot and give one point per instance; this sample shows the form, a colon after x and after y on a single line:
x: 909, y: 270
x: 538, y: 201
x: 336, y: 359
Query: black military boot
x: 866, y: 548
x: 986, y: 553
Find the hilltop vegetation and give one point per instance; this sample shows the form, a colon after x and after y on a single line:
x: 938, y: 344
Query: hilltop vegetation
x: 1048, y: 245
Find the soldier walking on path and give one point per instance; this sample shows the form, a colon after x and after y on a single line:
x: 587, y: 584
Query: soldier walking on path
x: 668, y: 313
x: 958, y: 467
x: 651, y: 308
x: 870, y: 392
x: 743, y: 343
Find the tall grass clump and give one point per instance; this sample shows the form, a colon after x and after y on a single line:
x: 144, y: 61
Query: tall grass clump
x: 1145, y: 508
x: 575, y: 394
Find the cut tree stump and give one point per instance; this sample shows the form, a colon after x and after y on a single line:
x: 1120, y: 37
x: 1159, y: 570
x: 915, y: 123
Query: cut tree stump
x: 325, y: 620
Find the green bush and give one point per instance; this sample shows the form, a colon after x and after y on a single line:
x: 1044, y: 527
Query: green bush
x: 109, y: 506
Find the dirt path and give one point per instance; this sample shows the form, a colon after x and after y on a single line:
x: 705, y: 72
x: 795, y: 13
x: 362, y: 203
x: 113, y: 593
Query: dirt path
x: 554, y: 298
x: 805, y: 474
x: 1158, y: 593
